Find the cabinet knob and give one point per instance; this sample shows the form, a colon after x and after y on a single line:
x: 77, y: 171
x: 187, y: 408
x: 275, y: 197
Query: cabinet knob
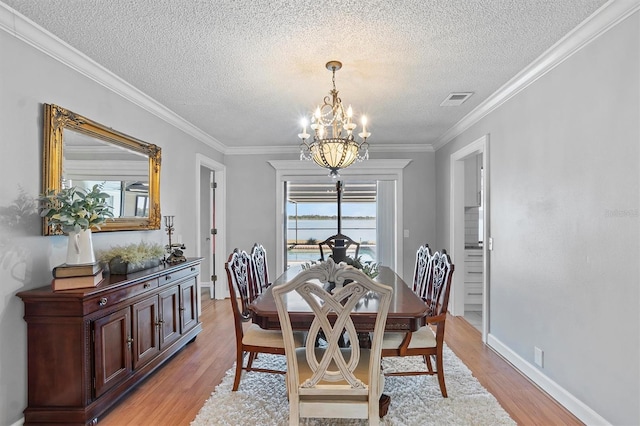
x: 193, y: 268
x: 129, y: 341
x: 103, y: 301
x: 146, y: 285
x: 167, y: 277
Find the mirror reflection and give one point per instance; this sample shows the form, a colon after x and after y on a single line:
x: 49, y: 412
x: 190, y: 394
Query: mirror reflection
x: 123, y: 173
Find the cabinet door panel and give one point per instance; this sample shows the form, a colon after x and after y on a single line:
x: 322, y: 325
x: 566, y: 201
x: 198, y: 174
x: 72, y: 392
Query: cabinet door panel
x: 188, y: 305
x: 112, y: 351
x: 145, y: 331
x: 169, y: 314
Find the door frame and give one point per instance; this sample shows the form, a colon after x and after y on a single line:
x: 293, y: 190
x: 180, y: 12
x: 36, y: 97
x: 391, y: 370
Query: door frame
x: 456, y: 223
x: 221, y: 291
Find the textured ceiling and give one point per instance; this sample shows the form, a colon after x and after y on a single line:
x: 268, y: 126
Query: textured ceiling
x: 245, y: 71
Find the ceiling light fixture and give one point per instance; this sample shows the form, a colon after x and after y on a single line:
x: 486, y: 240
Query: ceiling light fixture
x: 330, y: 148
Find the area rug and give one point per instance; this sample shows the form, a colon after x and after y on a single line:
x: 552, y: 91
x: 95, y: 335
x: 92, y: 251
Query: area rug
x: 415, y: 400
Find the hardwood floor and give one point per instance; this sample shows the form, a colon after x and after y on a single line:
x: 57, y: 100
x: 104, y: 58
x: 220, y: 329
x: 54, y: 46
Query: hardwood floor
x: 174, y: 394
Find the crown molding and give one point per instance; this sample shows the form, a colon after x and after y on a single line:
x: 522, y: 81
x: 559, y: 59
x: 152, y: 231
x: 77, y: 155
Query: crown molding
x: 295, y: 149
x: 31, y: 33
x: 602, y: 20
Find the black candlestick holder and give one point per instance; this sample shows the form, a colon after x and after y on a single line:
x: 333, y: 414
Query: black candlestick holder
x: 176, y: 255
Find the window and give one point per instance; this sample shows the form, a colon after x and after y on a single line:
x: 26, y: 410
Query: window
x: 312, y: 217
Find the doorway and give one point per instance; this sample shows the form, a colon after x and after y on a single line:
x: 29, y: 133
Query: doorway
x: 210, y: 226
x: 469, y: 233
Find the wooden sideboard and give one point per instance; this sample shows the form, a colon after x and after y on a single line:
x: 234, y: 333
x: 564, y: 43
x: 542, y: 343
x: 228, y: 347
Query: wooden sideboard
x: 88, y: 347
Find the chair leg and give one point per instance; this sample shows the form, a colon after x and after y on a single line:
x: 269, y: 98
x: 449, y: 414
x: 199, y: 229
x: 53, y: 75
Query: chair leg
x: 294, y: 411
x: 236, y: 380
x: 440, y: 367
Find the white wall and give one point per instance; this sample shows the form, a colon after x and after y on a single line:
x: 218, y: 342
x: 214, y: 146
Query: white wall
x: 564, y: 215
x: 29, y: 78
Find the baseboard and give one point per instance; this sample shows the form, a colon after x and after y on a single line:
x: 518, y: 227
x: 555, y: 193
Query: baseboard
x: 557, y: 392
x: 18, y: 423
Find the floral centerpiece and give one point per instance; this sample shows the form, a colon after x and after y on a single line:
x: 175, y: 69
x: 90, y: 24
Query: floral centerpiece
x: 371, y: 269
x: 76, y: 211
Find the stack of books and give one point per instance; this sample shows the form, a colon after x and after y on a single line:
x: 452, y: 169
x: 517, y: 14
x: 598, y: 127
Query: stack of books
x: 67, y: 277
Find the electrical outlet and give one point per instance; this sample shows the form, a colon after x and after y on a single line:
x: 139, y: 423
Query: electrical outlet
x: 490, y: 244
x: 538, y: 356
x: 406, y: 233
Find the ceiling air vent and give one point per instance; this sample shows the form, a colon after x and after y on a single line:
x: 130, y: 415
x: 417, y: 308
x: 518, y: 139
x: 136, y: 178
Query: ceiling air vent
x: 456, y: 98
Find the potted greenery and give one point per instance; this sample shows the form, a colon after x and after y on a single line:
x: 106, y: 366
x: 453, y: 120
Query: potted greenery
x: 76, y: 211
x: 133, y: 257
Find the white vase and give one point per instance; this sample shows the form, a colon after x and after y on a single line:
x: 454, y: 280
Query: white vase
x: 80, y: 248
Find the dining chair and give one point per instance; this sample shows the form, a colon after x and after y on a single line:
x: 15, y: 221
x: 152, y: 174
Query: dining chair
x: 254, y: 339
x: 260, y: 269
x: 422, y: 270
x: 338, y: 244
x: 425, y: 342
x: 329, y: 381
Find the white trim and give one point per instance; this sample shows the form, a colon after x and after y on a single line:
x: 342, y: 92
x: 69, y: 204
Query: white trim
x: 295, y: 149
x: 18, y: 423
x: 557, y: 392
x: 456, y: 227
x: 221, y: 289
x: 31, y: 33
x: 373, y: 169
x: 605, y: 18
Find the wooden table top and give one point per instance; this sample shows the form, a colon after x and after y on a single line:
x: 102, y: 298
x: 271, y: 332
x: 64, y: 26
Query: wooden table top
x: 407, y: 311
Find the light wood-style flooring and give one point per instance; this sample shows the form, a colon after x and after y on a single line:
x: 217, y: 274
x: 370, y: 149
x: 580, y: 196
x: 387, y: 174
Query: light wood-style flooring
x: 174, y: 394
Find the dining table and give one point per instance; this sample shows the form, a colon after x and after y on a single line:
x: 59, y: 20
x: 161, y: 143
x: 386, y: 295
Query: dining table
x: 407, y: 312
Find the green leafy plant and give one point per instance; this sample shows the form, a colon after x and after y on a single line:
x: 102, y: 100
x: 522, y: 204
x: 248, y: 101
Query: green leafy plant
x: 135, y: 253
x: 75, y: 209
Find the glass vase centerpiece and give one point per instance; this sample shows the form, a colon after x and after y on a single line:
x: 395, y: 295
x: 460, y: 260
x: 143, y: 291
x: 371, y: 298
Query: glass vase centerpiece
x: 75, y: 211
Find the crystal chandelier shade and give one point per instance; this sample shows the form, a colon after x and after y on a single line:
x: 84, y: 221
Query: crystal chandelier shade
x: 333, y: 146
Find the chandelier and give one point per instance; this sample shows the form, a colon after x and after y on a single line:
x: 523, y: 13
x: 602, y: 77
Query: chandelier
x: 330, y: 147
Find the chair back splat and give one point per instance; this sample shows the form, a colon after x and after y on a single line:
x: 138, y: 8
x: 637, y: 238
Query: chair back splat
x: 421, y: 274
x: 260, y: 269
x: 339, y: 244
x: 438, y: 288
x: 239, y: 275
x: 327, y: 380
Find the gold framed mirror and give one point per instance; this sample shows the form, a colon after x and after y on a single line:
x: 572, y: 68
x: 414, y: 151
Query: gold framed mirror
x: 81, y: 152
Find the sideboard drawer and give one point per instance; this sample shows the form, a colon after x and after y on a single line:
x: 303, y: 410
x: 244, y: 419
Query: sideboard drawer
x: 178, y: 275
x: 124, y: 293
